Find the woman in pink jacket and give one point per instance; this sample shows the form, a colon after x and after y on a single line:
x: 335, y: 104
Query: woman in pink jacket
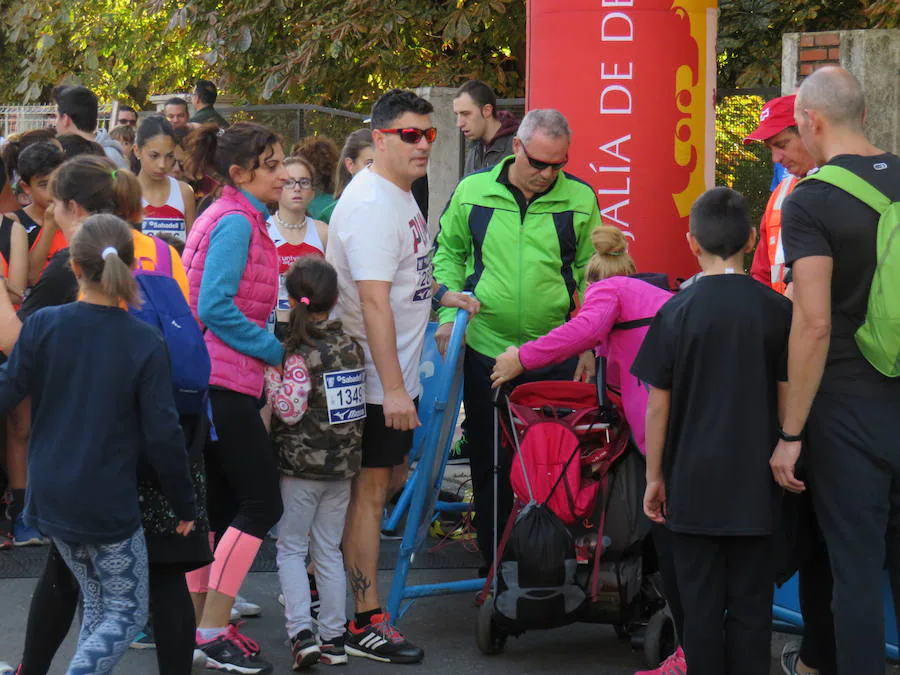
x: 613, y: 320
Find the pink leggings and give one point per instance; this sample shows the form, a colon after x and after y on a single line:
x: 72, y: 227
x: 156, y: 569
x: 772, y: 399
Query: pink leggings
x: 233, y: 558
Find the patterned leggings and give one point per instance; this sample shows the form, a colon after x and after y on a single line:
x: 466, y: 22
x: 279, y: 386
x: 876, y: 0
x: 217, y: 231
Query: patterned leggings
x: 113, y: 581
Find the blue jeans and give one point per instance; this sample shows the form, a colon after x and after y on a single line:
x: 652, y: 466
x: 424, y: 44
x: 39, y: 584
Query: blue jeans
x: 113, y: 579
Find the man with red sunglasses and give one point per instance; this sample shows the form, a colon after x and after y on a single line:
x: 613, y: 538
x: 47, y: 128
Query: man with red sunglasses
x: 519, y: 237
x: 381, y: 248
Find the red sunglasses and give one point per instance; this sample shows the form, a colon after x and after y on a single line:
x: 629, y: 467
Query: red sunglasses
x: 412, y: 134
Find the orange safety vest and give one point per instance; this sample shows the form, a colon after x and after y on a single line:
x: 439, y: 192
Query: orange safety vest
x: 771, y: 230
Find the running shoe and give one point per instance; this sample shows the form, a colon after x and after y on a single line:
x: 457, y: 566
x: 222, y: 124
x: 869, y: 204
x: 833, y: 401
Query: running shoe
x: 304, y: 650
x: 790, y: 655
x: 333, y: 652
x: 380, y: 641
x: 459, y: 453
x: 23, y: 535
x: 144, y: 639
x: 674, y: 665
x: 6, y: 542
x: 232, y: 652
x: 246, y: 608
x: 6, y: 669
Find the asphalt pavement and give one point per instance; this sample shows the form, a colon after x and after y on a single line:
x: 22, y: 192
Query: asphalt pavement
x: 443, y: 626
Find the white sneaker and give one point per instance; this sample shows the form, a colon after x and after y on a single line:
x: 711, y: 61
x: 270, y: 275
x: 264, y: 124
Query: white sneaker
x: 235, y: 615
x: 6, y: 669
x: 246, y: 608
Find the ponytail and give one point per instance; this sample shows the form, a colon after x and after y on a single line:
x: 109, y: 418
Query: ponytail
x: 611, y: 257
x: 312, y: 284
x: 211, y: 151
x: 103, y: 248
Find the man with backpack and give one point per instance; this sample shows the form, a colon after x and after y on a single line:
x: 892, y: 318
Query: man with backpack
x: 841, y: 236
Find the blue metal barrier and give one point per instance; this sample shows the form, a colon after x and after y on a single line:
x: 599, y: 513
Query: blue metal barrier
x: 787, y: 617
x: 425, y: 483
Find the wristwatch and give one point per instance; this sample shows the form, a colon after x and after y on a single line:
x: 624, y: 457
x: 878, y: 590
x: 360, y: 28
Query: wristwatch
x: 783, y: 435
x: 438, y: 296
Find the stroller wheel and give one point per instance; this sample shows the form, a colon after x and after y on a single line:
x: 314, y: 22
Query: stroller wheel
x: 659, y: 638
x: 490, y: 638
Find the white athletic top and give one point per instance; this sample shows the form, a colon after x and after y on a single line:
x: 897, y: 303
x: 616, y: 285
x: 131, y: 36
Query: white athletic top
x: 166, y: 218
x: 288, y: 253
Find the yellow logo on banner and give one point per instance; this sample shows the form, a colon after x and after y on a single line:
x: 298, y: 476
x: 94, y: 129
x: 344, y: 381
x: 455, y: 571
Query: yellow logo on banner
x: 691, y: 100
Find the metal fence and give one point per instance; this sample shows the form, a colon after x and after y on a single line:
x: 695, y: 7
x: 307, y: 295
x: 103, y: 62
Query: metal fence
x: 16, y: 119
x: 295, y: 121
x: 745, y: 168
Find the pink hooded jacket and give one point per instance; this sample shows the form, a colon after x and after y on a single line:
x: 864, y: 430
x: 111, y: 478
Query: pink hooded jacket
x: 606, y: 303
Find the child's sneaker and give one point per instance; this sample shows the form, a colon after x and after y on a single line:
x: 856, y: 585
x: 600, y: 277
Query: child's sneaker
x: 24, y: 535
x: 245, y: 608
x: 144, y: 639
x: 380, y: 641
x: 333, y: 652
x: 232, y: 652
x: 304, y: 650
x: 674, y: 665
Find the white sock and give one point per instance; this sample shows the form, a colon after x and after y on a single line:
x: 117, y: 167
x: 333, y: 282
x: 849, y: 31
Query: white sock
x: 207, y: 634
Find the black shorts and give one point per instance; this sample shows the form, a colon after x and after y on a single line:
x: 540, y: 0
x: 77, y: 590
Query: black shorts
x: 383, y: 447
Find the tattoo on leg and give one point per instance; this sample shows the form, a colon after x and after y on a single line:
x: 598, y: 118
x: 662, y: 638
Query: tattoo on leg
x: 359, y: 583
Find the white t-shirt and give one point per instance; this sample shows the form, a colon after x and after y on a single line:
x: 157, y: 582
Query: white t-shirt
x: 377, y: 233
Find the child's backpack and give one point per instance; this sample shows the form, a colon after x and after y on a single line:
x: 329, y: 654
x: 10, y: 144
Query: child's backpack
x: 536, y: 585
x: 164, y: 306
x: 879, y: 336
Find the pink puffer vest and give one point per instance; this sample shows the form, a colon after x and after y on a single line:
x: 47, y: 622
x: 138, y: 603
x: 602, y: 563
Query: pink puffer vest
x: 256, y: 296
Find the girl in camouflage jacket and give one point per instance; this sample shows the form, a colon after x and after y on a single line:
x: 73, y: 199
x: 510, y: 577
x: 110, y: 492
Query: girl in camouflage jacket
x: 318, y: 404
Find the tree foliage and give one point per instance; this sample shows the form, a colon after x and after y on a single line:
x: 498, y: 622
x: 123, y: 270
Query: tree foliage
x: 339, y: 52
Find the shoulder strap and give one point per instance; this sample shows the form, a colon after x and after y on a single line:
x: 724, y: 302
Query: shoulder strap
x: 163, y: 256
x: 636, y: 323
x: 849, y: 182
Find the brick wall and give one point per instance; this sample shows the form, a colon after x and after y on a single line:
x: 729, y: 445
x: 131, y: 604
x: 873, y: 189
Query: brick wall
x: 817, y: 50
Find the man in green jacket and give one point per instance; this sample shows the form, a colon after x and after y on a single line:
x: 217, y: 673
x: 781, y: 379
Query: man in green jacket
x: 519, y: 237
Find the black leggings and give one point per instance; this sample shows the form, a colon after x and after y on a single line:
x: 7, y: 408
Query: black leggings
x: 242, y: 476
x: 55, y: 600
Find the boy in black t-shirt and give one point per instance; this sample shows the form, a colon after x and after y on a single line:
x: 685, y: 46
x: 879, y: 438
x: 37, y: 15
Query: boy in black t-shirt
x: 715, y: 360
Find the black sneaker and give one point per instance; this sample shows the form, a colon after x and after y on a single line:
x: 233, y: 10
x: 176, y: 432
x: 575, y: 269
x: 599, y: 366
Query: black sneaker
x: 232, y: 652
x: 304, y: 650
x: 380, y: 641
x: 333, y: 652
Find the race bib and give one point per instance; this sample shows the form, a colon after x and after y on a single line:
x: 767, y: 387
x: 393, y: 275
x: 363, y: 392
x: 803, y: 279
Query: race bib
x: 345, y: 393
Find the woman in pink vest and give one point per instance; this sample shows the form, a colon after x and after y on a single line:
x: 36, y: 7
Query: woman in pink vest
x: 232, y: 270
x: 613, y: 320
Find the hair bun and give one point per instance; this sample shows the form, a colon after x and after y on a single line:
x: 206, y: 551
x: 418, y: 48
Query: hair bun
x: 609, y: 240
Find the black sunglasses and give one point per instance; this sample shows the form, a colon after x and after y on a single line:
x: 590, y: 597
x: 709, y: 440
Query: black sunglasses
x: 412, y: 134
x: 539, y: 165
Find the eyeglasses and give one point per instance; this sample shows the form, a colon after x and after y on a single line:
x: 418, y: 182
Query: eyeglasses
x: 412, y: 135
x: 131, y: 123
x: 303, y: 184
x: 540, y: 166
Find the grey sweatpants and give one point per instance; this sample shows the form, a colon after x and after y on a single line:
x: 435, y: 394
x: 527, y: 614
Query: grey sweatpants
x: 313, y: 521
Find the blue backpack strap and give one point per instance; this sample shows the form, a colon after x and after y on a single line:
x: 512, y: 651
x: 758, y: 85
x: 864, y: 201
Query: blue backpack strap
x: 163, y: 257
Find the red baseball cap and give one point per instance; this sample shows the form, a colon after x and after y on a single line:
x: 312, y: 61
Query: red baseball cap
x: 776, y: 116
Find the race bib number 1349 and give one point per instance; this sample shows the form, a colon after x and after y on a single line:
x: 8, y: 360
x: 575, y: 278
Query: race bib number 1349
x: 345, y: 393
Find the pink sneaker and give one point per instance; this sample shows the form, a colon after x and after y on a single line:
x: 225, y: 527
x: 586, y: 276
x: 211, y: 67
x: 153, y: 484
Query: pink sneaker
x: 674, y: 665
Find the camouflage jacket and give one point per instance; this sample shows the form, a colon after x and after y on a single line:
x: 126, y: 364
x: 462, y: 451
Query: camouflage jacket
x: 326, y: 443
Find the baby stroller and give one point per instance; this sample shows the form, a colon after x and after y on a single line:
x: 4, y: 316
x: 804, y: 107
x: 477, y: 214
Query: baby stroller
x: 572, y: 549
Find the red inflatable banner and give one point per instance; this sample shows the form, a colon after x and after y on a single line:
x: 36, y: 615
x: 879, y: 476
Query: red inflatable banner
x: 636, y: 79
